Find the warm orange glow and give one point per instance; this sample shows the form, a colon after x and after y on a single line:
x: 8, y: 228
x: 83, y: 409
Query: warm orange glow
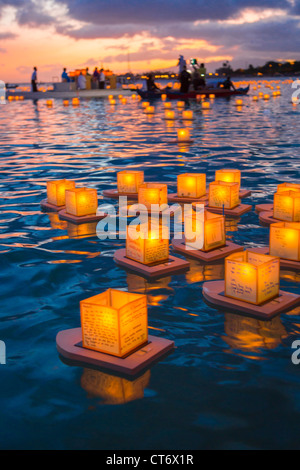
x: 75, y: 101
x: 187, y: 115
x: 255, y: 98
x: 229, y: 176
x: 167, y: 105
x: 66, y: 102
x: 285, y: 240
x: 110, y: 97
x: 205, y: 105
x: 49, y: 103
x: 212, y: 97
x: 287, y: 206
x: 239, y: 102
x: 163, y: 97
x: 145, y: 104
x: 183, y: 135
x: 129, y: 181
x: 288, y: 187
x: 252, y: 277
x: 266, y: 97
x: 191, y: 185
x: 211, y: 230
x: 223, y: 194
x: 56, y: 191
x: 124, y: 100
x: 150, y: 110
x: 149, y: 248
x: 169, y: 114
x: 81, y: 201
x: 114, y: 322
x: 180, y: 104
x: 152, y: 193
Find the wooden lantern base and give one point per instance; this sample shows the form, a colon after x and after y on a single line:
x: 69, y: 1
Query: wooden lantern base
x: 236, y: 212
x: 173, y: 198
x: 245, y: 193
x: 267, y: 218
x: 218, y: 253
x: 213, y: 292
x: 172, y: 266
x: 63, y: 215
x: 69, y: 345
x: 264, y: 207
x: 114, y: 194
x: 47, y: 207
x: 284, y: 263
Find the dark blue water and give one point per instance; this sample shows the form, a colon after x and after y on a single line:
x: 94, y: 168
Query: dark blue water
x: 230, y: 382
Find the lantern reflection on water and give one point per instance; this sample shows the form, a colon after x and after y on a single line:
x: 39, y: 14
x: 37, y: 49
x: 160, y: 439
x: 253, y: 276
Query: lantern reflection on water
x: 285, y: 240
x: 191, y: 185
x: 129, y: 181
x: 287, y: 206
x: 81, y: 201
x: 223, y: 194
x: 56, y: 191
x: 114, y: 322
x: 152, y: 193
x: 252, y: 277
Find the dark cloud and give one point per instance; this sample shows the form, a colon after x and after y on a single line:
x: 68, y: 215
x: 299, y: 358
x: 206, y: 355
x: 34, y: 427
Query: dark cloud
x: 7, y: 35
x: 29, y: 15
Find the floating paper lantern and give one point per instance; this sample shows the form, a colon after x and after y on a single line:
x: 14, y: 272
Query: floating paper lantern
x: 205, y: 105
x: 124, y: 100
x: 287, y: 206
x: 129, y: 181
x: 150, y: 110
x: 21, y: 98
x: 266, y: 97
x: 66, y: 102
x: 110, y: 97
x: 152, y: 193
x: 169, y: 114
x: 17, y: 98
x: 222, y: 194
x: 10, y: 98
x: 229, y: 176
x: 56, y: 191
x: 147, y: 246
x: 163, y: 97
x: 81, y: 201
x: 285, y: 240
x: 187, y: 115
x: 211, y: 96
x: 255, y: 98
x: 114, y: 322
x: 167, y: 105
x: 288, y: 187
x: 49, y: 103
x: 252, y: 277
x: 133, y: 96
x: 112, y: 102
x: 180, y: 104
x: 145, y: 104
x: 191, y: 185
x: 75, y: 101
x: 210, y: 229
x: 239, y: 102
x: 183, y: 135
x: 120, y: 97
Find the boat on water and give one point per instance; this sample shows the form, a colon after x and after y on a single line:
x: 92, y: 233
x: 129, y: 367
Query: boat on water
x: 192, y: 95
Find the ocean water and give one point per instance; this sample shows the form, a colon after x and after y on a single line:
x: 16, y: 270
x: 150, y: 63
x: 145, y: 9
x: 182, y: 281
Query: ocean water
x: 230, y: 382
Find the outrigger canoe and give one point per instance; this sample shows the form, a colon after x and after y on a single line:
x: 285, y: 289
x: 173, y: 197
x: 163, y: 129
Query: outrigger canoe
x: 192, y: 95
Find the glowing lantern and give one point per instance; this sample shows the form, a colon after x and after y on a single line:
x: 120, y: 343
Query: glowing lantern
x: 288, y: 187
x: 255, y: 98
x: 56, y: 191
x: 222, y: 194
x: 252, y: 277
x: 75, y: 101
x: 169, y: 114
x: 167, y: 105
x: 209, y: 229
x: 183, y: 135
x: 187, y: 115
x: 145, y: 104
x: 112, y: 102
x: 211, y: 96
x: 124, y: 100
x: 49, y: 103
x: 133, y: 96
x: 114, y: 322
x: 191, y: 185
x: 147, y: 245
x: 120, y: 97
x: 278, y: 93
x: 81, y: 201
x: 287, y: 206
x: 229, y: 176
x: 129, y: 181
x: 17, y: 98
x: 152, y: 193
x: 205, y: 105
x: 66, y: 102
x: 266, y: 97
x: 285, y: 240
x: 110, y: 97
x: 10, y: 98
x: 150, y: 110
x: 239, y: 103
x: 180, y: 104
x: 274, y: 93
x: 260, y: 94
x: 163, y: 97
x: 21, y: 98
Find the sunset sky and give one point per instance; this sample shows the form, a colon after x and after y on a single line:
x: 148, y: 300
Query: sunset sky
x: 52, y: 34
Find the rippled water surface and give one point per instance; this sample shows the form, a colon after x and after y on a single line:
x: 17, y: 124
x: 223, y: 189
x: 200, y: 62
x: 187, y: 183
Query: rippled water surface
x: 230, y: 382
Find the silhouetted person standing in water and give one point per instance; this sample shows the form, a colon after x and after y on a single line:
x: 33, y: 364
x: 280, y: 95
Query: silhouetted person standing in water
x: 185, y: 80
x: 34, y: 80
